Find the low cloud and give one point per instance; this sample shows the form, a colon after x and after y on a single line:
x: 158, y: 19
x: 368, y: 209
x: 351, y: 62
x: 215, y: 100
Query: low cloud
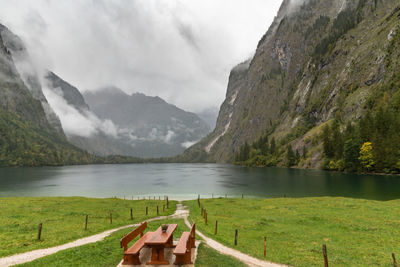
x: 72, y: 120
x: 180, y: 50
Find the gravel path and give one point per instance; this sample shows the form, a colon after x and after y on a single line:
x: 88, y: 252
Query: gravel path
x: 246, y: 259
x: 180, y: 212
x: 35, y: 254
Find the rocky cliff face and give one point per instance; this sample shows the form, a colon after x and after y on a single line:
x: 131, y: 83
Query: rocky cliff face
x: 319, y: 59
x: 30, y: 132
x: 70, y: 93
x: 21, y: 66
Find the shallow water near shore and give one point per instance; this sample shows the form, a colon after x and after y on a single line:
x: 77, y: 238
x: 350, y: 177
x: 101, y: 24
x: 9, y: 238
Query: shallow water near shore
x: 186, y: 181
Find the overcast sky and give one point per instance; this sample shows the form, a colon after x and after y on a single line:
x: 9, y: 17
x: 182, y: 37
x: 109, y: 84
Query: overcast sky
x: 180, y: 50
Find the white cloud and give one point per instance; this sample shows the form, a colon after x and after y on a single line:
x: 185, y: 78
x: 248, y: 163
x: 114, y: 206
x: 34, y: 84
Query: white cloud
x: 181, y: 50
x: 72, y: 121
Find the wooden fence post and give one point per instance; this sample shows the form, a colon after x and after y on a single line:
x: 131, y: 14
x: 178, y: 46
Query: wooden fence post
x: 198, y: 200
x: 325, y: 255
x: 394, y: 260
x: 216, y: 227
x: 206, y: 218
x: 86, y: 221
x: 110, y: 218
x: 236, y: 236
x: 147, y: 210
x: 131, y: 214
x: 167, y: 203
x: 40, y: 231
x: 265, y: 246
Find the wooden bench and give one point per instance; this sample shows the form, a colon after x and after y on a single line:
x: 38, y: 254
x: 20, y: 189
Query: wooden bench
x: 131, y: 255
x: 183, y: 250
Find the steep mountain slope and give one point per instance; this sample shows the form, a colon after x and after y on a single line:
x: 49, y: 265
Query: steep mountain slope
x: 319, y: 60
x: 69, y: 103
x: 30, y: 133
x: 70, y: 93
x: 148, y: 126
x: 26, y: 71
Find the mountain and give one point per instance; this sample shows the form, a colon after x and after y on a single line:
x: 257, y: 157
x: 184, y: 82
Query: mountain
x: 30, y: 132
x: 136, y: 125
x: 70, y: 93
x: 148, y: 126
x: 322, y: 67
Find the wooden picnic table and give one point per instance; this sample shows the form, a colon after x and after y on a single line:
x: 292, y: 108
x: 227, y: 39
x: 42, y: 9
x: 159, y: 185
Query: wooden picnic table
x: 158, y: 241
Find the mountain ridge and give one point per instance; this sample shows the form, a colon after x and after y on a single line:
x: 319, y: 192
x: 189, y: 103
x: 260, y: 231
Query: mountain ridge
x: 315, y: 64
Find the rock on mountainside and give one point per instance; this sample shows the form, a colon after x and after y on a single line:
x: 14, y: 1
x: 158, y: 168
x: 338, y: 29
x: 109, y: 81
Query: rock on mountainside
x: 150, y: 126
x: 30, y: 132
x: 26, y: 71
x: 68, y: 99
x: 70, y: 93
x: 319, y: 60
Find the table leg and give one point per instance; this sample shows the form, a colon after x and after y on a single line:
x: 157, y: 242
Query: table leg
x: 170, y: 242
x: 157, y: 256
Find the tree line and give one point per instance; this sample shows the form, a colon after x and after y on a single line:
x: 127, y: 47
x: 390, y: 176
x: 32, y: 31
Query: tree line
x: 372, y: 144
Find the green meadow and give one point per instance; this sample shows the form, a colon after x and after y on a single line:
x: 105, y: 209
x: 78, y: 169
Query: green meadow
x: 356, y: 232
x: 107, y: 253
x: 63, y: 219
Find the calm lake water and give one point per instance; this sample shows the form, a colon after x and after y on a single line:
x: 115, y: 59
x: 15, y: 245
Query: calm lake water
x: 188, y: 180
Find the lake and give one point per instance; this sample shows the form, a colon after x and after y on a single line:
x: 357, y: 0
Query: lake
x: 182, y: 181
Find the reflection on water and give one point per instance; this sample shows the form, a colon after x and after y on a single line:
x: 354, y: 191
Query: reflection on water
x: 188, y: 180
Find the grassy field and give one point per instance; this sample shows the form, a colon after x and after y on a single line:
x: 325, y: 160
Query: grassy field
x: 63, y: 219
x: 208, y: 257
x: 104, y: 253
x: 108, y: 253
x: 356, y: 232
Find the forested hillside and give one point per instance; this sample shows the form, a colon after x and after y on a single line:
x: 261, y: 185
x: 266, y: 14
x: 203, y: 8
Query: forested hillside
x: 322, y: 91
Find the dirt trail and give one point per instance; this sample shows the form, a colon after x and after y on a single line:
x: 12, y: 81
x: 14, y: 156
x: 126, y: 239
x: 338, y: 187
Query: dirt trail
x: 35, y: 254
x: 246, y: 259
x: 181, y: 212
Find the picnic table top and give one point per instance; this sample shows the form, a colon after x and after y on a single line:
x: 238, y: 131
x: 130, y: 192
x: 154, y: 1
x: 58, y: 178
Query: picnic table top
x: 161, y: 238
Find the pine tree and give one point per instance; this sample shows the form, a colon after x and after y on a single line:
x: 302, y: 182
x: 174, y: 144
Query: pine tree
x: 351, y: 154
x: 297, y: 157
x: 272, y: 148
x: 327, y: 143
x: 337, y: 140
x: 290, y: 156
x: 366, y: 127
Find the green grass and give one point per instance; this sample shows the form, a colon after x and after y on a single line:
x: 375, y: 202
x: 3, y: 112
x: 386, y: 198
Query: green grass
x: 104, y: 253
x: 357, y: 232
x: 64, y: 219
x: 207, y: 257
x: 108, y: 252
